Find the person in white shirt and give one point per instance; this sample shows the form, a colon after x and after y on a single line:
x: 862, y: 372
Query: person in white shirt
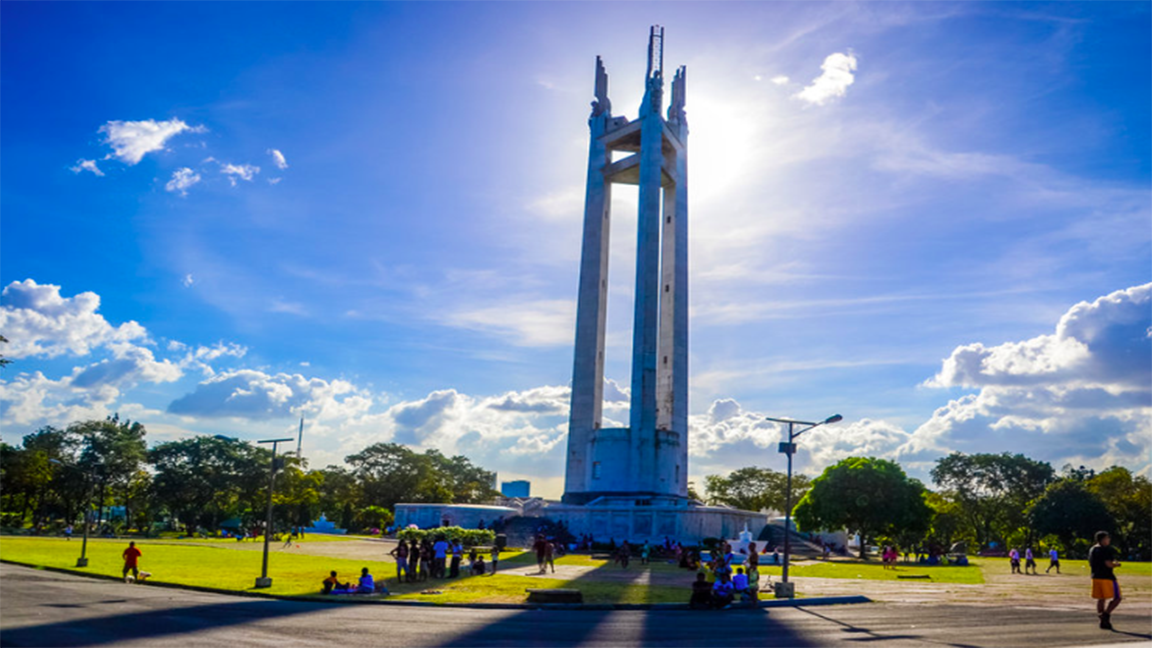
x: 1029, y: 561
x: 739, y: 581
x: 722, y: 592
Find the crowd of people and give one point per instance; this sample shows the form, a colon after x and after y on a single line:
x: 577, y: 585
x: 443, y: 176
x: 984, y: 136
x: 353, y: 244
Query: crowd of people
x: 418, y: 561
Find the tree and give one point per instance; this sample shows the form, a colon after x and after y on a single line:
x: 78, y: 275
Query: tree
x: 1129, y: 502
x: 112, y: 451
x: 993, y: 490
x: 1068, y: 510
x: 755, y: 489
x: 204, y: 480
x: 867, y: 496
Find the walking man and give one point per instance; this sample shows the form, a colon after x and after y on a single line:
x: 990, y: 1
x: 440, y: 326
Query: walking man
x: 131, y: 555
x: 1053, y: 560
x: 1029, y: 561
x: 1102, y: 560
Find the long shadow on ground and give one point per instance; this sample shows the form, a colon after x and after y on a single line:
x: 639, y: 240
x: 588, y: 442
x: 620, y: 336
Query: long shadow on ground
x: 152, y: 624
x: 531, y: 628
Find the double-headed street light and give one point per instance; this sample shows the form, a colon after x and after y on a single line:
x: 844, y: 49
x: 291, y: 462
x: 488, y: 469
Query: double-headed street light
x: 82, y: 561
x: 263, y: 580
x: 784, y: 589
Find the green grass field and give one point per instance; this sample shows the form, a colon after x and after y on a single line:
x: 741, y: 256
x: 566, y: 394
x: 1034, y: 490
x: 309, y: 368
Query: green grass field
x: 214, y: 564
x: 875, y: 571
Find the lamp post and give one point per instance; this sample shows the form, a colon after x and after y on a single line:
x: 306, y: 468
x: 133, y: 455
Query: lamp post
x: 784, y: 589
x: 82, y: 561
x: 264, y: 581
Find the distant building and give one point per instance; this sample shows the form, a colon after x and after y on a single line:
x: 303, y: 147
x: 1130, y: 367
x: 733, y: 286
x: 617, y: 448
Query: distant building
x: 518, y: 488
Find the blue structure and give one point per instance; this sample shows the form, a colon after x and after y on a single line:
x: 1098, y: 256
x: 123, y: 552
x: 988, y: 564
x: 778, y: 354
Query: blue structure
x: 518, y: 488
x: 649, y: 458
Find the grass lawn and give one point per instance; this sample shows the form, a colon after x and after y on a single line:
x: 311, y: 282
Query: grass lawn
x: 875, y: 571
x: 213, y: 564
x: 1138, y: 572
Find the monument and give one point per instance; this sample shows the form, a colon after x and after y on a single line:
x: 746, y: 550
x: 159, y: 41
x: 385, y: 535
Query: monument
x: 632, y: 482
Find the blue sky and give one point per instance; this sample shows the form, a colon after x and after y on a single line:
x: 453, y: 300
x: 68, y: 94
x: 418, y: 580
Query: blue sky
x: 931, y: 218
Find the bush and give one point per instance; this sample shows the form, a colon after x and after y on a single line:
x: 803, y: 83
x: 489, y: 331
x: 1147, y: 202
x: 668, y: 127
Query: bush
x: 711, y: 543
x: 467, y: 537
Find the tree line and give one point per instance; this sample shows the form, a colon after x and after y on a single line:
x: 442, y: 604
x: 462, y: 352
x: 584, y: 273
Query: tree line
x: 202, y: 481
x: 984, y: 500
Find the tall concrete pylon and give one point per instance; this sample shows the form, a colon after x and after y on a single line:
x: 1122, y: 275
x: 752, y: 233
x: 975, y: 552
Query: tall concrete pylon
x: 650, y: 456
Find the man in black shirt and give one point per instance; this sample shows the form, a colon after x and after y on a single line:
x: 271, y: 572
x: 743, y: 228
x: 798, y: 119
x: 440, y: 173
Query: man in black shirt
x: 1102, y: 560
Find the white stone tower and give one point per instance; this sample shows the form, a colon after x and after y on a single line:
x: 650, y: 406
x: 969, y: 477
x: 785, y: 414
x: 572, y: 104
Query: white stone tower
x: 649, y: 458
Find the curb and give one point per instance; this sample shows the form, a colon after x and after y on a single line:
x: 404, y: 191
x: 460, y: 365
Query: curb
x: 350, y: 600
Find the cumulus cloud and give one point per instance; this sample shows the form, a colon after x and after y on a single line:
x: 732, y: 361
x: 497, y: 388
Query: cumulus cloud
x: 278, y: 158
x: 243, y: 171
x: 1081, y: 394
x: 187, y: 281
x: 87, y: 165
x: 252, y: 394
x: 780, y: 80
x: 132, y: 140
x: 38, y: 321
x: 129, y: 364
x: 832, y: 83
x: 182, y: 179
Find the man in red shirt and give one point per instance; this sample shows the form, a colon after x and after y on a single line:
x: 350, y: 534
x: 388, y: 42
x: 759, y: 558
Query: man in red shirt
x: 131, y: 554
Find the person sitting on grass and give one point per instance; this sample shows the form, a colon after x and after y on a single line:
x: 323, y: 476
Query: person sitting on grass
x: 333, y: 585
x: 367, y: 584
x: 478, y: 565
x: 722, y: 592
x: 701, y: 593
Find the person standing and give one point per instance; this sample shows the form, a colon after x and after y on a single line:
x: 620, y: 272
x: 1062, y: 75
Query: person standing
x: 131, y: 557
x: 550, y: 555
x: 644, y: 551
x: 457, y: 556
x: 400, y: 553
x: 413, y: 560
x: 1053, y: 560
x: 439, y: 556
x: 68, y: 532
x: 1014, y: 559
x: 495, y: 559
x: 541, y: 548
x: 1029, y: 561
x: 1101, y: 561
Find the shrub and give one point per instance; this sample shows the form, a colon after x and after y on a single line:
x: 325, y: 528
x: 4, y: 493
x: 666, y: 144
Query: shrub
x: 467, y: 537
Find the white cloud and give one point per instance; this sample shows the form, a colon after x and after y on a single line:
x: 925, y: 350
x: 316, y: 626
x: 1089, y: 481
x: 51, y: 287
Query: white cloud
x: 531, y: 323
x: 87, y: 165
x: 833, y: 82
x: 182, y: 179
x: 278, y: 158
x: 1082, y: 394
x: 39, y: 322
x: 780, y: 80
x: 273, y: 181
x: 187, y: 281
x: 252, y: 394
x: 129, y: 365
x: 243, y: 171
x: 132, y: 140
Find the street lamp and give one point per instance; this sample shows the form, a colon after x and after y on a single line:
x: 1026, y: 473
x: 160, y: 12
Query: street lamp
x: 264, y: 581
x: 784, y: 589
x: 82, y: 561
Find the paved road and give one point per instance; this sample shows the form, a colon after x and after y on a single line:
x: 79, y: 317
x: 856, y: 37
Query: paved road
x: 48, y: 609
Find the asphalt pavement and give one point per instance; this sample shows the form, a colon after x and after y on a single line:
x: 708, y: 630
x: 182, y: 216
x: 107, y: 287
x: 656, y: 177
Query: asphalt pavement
x: 41, y: 608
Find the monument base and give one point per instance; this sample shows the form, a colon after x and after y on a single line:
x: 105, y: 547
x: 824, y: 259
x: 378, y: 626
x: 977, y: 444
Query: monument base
x: 639, y: 518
